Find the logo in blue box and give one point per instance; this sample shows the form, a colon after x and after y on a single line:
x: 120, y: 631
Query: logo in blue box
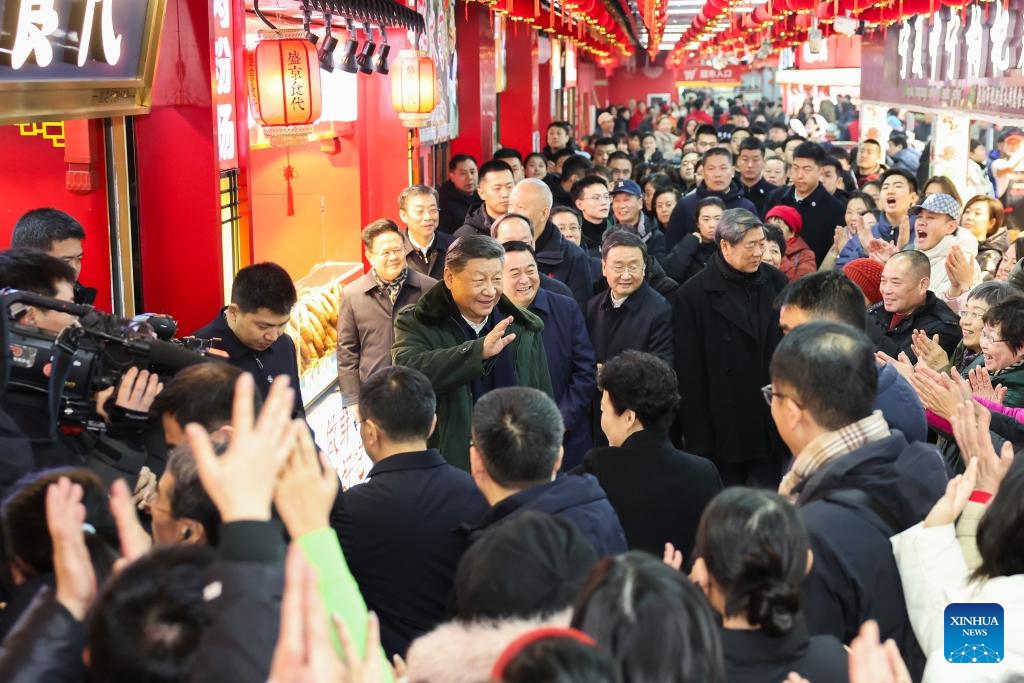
x: 974, y: 633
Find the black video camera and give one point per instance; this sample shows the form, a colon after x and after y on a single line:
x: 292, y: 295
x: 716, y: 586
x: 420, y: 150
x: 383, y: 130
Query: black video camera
x: 84, y: 358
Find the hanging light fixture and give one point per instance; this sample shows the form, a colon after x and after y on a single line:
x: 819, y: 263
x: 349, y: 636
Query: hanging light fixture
x: 382, y: 55
x: 348, y: 59
x: 412, y: 87
x: 326, y: 51
x: 365, y: 58
x: 284, y: 85
x: 307, y: 16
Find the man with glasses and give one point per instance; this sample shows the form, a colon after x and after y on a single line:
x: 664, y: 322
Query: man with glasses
x: 630, y: 314
x: 424, y: 245
x: 855, y: 482
x: 725, y: 329
x: 594, y: 202
x: 366, y: 322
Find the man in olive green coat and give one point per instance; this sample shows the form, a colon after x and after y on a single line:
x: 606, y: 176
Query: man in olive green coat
x: 468, y: 338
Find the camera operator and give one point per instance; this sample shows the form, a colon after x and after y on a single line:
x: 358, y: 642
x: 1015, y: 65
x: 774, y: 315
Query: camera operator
x: 126, y: 412
x: 59, y: 235
x: 251, y: 327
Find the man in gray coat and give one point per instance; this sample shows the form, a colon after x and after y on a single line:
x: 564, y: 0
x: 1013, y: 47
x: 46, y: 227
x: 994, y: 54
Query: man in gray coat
x: 366, y: 322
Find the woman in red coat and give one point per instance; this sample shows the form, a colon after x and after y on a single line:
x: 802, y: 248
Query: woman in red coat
x: 799, y: 259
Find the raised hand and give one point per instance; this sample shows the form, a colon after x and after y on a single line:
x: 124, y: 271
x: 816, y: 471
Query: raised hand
x: 306, y: 486
x: 75, y: 577
x: 971, y: 430
x: 304, y: 653
x: 496, y: 340
x: 672, y: 557
x: 927, y: 349
x: 937, y: 392
x: 241, y: 482
x: 902, y: 365
x: 840, y: 238
x: 880, y: 250
x: 135, y: 542
x: 958, y: 493
x: 981, y: 385
x: 873, y: 662
x: 960, y: 270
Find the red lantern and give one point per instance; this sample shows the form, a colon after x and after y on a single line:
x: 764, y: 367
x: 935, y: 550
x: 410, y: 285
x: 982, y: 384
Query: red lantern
x: 284, y: 86
x: 761, y: 15
x: 412, y: 87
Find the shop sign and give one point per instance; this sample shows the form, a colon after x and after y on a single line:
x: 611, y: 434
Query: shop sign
x: 690, y: 76
x: 969, y: 61
x: 224, y: 85
x: 77, y: 58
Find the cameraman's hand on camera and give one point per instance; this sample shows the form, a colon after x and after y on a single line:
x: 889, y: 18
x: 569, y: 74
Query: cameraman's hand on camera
x: 135, y: 393
x: 306, y: 486
x: 241, y: 482
x: 75, y: 577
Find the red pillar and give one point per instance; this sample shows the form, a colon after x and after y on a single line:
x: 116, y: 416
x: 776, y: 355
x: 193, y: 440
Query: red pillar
x: 519, y: 102
x: 475, y: 48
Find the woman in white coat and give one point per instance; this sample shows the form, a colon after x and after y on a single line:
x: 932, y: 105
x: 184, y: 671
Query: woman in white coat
x: 935, y: 571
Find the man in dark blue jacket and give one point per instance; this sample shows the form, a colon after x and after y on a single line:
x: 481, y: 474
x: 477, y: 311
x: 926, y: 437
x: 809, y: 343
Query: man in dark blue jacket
x: 830, y: 295
x: 567, y: 345
x: 718, y: 182
x: 399, y: 530
x: 855, y: 482
x: 516, y: 451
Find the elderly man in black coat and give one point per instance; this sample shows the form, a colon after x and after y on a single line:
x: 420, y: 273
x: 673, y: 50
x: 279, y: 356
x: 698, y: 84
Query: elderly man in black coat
x: 725, y: 330
x: 630, y: 314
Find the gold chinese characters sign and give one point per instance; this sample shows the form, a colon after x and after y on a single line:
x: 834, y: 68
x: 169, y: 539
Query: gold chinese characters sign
x: 71, y: 59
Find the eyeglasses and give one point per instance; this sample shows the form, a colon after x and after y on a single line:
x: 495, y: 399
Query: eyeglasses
x: 769, y: 393
x: 619, y: 269
x: 388, y: 253
x: 599, y: 197
x: 971, y: 315
x: 986, y: 336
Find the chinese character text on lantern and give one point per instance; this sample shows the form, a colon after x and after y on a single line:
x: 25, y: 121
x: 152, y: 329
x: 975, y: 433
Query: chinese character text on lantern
x: 284, y: 84
x: 412, y: 87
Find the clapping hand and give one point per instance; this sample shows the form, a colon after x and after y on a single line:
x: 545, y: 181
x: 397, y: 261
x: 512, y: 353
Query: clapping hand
x: 959, y: 270
x: 981, y: 385
x: 927, y: 349
x: 135, y: 542
x: 958, y: 493
x: 971, y: 430
x: 937, y: 392
x: 241, y: 482
x: 902, y: 365
x: 672, y: 557
x: 881, y: 250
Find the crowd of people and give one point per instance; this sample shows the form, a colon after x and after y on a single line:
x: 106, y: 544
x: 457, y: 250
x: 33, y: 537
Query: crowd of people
x: 650, y: 410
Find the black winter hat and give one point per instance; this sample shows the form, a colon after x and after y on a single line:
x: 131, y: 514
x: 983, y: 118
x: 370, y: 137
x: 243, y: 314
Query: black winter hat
x: 532, y: 564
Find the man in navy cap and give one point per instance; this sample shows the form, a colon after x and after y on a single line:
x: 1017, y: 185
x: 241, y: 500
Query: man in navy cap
x: 627, y: 207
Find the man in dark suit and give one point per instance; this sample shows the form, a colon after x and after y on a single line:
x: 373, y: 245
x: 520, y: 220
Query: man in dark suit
x: 658, y: 492
x: 399, y: 529
x: 725, y: 330
x: 630, y: 314
x: 424, y: 245
x: 566, y: 343
x: 820, y: 211
x: 369, y: 306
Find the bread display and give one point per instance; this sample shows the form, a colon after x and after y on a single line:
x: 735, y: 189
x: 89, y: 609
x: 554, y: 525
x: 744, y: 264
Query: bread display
x: 314, y: 324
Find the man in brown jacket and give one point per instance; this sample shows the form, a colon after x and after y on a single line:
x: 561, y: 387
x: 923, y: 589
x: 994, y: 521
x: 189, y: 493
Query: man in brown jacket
x: 366, y: 327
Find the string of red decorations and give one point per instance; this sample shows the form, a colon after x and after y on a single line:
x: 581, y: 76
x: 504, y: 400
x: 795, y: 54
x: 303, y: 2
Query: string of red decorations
x: 745, y: 29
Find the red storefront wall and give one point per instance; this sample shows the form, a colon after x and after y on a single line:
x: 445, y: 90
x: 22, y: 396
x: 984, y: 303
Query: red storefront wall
x: 34, y: 177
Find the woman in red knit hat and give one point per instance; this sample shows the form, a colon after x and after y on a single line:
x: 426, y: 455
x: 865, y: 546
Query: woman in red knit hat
x: 866, y: 273
x: 799, y: 258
